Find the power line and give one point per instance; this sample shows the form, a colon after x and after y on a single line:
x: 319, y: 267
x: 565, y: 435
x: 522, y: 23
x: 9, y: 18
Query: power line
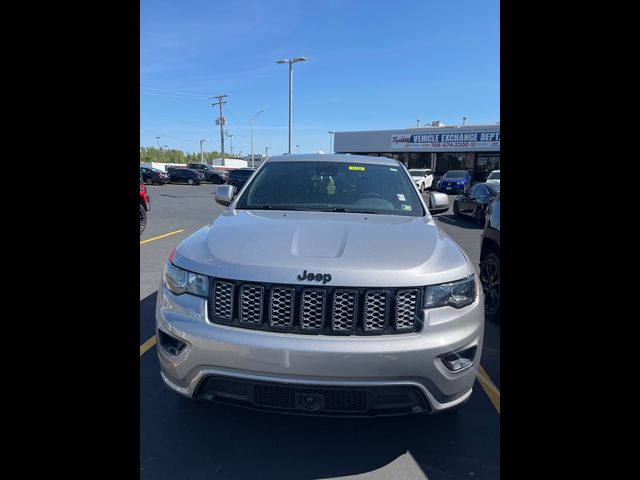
x: 175, y: 91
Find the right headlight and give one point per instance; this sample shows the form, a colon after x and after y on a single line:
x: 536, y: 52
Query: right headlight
x: 455, y: 294
x: 181, y: 281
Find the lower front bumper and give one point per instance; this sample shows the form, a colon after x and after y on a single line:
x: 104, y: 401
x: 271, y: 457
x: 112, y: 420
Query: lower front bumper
x: 390, y: 364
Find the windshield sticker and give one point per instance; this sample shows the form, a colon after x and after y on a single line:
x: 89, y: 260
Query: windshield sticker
x: 401, y: 197
x: 406, y: 207
x: 356, y: 167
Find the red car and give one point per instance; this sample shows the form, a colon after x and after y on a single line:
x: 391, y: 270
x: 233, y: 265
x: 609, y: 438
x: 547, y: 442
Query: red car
x: 145, y: 205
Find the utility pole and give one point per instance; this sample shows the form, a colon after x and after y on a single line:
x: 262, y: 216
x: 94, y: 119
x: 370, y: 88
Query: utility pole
x: 220, y: 121
x: 201, y: 154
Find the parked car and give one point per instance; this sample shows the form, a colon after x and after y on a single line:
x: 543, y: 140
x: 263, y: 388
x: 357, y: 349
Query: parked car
x: 475, y: 201
x: 293, y: 301
x: 455, y: 181
x: 239, y: 176
x: 210, y: 174
x: 145, y: 205
x: 490, y: 262
x: 153, y: 175
x: 494, y: 177
x: 423, y: 178
x: 186, y: 175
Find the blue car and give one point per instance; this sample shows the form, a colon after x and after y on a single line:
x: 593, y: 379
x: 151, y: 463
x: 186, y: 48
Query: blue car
x: 455, y: 181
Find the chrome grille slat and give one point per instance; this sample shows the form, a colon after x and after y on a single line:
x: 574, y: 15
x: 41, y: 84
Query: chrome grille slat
x: 223, y: 293
x: 281, y: 305
x: 406, y: 309
x: 376, y: 310
x: 345, y: 310
x: 251, y: 300
x: 312, y: 307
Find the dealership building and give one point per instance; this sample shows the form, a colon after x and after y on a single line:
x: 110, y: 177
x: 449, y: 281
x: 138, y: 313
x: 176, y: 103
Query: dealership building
x: 475, y: 148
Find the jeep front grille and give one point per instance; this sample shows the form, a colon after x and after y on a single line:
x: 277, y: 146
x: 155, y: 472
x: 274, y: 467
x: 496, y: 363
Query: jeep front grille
x: 318, y: 310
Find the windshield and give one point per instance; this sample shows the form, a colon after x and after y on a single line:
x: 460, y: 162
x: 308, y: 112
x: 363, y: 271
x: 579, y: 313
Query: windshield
x: 416, y: 173
x: 455, y: 174
x: 494, y: 176
x: 336, y: 187
x: 495, y: 187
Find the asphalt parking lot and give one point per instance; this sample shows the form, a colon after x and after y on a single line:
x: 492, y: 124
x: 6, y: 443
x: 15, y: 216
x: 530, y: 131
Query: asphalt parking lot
x: 182, y: 439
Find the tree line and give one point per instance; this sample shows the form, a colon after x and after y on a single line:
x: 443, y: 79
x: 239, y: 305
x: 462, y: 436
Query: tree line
x: 166, y: 155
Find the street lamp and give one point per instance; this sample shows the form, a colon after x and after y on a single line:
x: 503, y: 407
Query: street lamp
x: 252, y: 116
x: 158, y: 139
x: 298, y: 147
x: 201, y: 154
x: 266, y: 152
x: 330, y: 138
x: 231, y: 143
x: 291, y: 61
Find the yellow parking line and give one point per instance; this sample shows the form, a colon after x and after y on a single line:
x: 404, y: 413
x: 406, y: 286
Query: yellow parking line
x: 161, y: 236
x: 491, y: 390
x: 147, y: 345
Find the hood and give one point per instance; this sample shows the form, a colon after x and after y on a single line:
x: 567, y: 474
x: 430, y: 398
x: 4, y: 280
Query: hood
x: 355, y: 249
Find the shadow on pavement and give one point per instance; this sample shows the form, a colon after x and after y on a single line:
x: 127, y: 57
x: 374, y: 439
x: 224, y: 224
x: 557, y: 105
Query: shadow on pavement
x: 462, y: 222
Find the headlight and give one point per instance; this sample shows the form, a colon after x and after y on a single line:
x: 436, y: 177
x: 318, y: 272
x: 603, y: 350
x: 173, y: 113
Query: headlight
x: 180, y: 281
x: 455, y: 294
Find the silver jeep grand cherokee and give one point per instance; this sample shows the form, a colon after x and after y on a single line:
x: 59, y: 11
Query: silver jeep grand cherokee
x: 325, y: 288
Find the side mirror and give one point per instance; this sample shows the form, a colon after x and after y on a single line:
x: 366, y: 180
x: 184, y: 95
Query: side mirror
x: 224, y: 194
x: 438, y: 203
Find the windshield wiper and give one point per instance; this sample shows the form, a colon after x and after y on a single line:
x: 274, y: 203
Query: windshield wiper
x: 273, y: 207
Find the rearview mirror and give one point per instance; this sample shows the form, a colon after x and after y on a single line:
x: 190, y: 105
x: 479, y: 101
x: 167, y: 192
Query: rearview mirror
x: 438, y: 203
x: 224, y: 194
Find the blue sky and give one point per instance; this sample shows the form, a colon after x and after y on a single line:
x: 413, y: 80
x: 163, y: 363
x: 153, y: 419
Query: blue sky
x: 371, y: 65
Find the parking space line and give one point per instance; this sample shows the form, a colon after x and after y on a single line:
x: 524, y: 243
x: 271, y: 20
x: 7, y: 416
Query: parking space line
x: 147, y: 345
x: 161, y: 236
x: 490, y: 389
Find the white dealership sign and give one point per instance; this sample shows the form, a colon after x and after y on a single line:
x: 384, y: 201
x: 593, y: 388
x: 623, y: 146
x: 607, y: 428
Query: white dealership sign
x: 446, y: 141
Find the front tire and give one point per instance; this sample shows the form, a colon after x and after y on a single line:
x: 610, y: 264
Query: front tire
x: 149, y: 181
x: 190, y: 181
x: 490, y: 279
x: 143, y: 219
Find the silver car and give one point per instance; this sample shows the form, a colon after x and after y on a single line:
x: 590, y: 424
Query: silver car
x: 325, y: 288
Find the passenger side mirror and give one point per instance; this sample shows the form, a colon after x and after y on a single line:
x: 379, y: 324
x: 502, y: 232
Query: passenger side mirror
x: 438, y: 203
x: 224, y: 194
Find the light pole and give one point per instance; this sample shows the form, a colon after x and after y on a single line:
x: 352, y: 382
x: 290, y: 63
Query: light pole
x: 330, y: 138
x: 201, y: 154
x: 252, y: 117
x: 266, y: 152
x: 298, y: 148
x: 230, y: 143
x: 291, y: 61
x: 158, y: 139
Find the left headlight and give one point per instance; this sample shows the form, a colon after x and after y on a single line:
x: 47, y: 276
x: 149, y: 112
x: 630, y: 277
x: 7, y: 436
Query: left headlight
x: 181, y: 281
x: 455, y: 294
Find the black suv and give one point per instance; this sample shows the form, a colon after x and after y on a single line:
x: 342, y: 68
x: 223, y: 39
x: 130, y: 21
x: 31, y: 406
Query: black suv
x: 210, y: 174
x: 239, y: 177
x: 186, y: 175
x: 490, y: 262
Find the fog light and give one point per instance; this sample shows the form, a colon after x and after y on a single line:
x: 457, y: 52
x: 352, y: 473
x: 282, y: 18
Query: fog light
x: 456, y: 361
x: 172, y: 345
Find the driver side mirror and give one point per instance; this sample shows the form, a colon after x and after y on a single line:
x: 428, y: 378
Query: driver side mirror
x: 225, y: 194
x: 438, y: 203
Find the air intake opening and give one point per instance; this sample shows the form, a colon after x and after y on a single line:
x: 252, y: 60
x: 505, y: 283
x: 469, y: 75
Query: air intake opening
x: 456, y: 361
x: 171, y: 345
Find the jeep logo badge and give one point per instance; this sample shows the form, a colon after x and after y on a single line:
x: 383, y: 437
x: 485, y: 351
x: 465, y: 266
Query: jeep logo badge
x: 324, y: 277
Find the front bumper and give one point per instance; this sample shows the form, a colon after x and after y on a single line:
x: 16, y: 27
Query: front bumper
x: 310, y: 363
